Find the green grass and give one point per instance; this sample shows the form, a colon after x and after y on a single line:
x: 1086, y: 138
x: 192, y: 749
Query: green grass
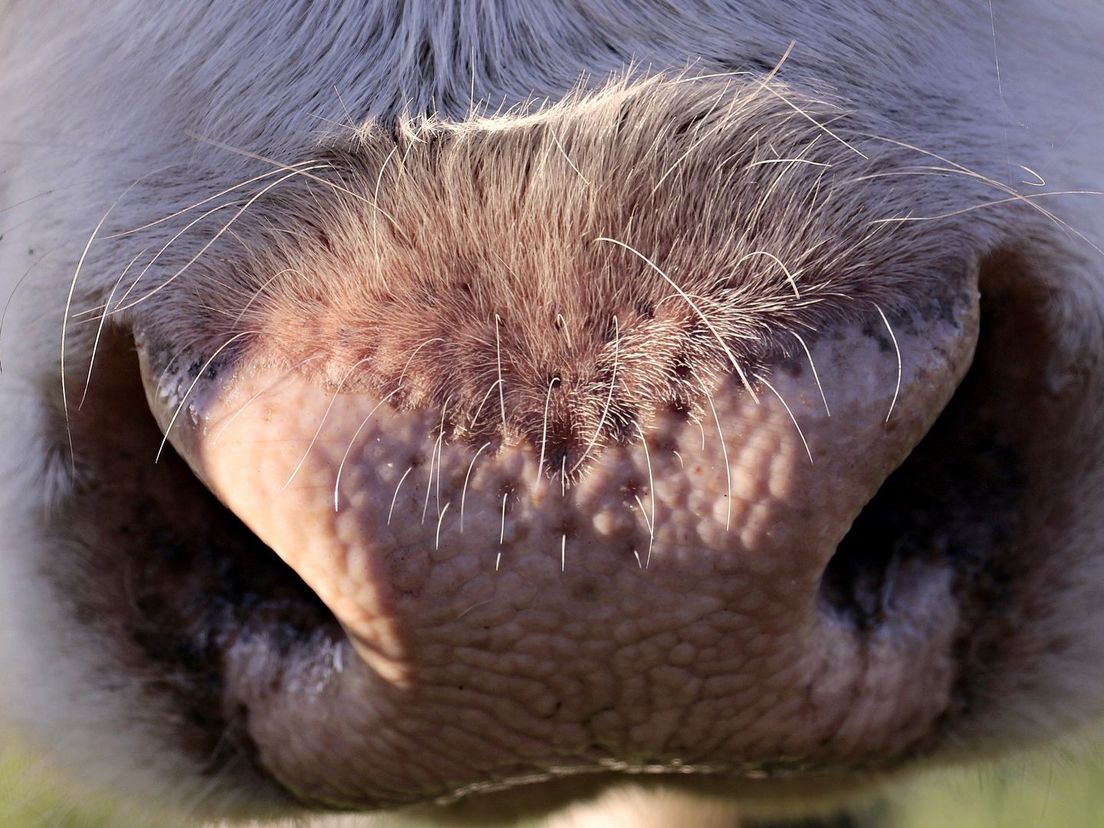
x: 27, y: 799
x: 1047, y: 792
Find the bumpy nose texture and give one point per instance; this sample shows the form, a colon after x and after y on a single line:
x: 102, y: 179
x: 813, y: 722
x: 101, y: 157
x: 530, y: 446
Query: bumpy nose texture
x: 657, y: 610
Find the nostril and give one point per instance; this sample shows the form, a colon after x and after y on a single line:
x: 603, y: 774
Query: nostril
x: 957, y: 499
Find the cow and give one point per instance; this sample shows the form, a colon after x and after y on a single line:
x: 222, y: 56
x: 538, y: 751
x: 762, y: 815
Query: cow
x: 498, y: 409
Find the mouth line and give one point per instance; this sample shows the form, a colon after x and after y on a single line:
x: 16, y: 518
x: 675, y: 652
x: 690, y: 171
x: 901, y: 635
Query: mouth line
x: 188, y: 599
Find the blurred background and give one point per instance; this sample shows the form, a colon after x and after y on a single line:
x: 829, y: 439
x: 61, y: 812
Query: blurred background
x: 1052, y: 790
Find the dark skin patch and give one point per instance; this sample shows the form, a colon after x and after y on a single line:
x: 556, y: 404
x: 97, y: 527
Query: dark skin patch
x: 178, y: 580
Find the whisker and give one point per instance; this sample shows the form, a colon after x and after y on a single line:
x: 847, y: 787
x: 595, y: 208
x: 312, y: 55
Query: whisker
x: 651, y: 491
x: 440, y: 520
x: 562, y: 322
x: 724, y: 456
x: 816, y: 376
x: 199, y: 374
x: 200, y: 203
x: 567, y: 157
x: 279, y: 165
x: 260, y: 290
x: 501, y: 531
x: 69, y: 307
x: 467, y: 478
x: 413, y: 354
x: 100, y: 327
x: 348, y: 115
x: 544, y: 429
x: 375, y: 197
x: 609, y: 398
x: 352, y: 442
x: 793, y: 419
x: 900, y: 369
x: 395, y: 497
x: 440, y: 450
x: 821, y: 126
x: 322, y: 422
x: 168, y: 244
x: 479, y: 410
x: 698, y: 141
x: 207, y: 246
x: 693, y: 306
x: 1029, y: 200
x: 777, y: 261
x: 767, y: 161
x: 435, y: 457
x: 501, y: 384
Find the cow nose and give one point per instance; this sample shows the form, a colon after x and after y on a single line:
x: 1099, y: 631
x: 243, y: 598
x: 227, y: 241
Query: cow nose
x: 562, y: 570
x: 567, y: 455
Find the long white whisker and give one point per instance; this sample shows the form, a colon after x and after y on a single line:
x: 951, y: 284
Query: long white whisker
x: 410, y: 359
x: 777, y: 261
x: 900, y: 369
x: 812, y: 365
x: 544, y: 428
x: 279, y: 165
x: 440, y: 520
x: 651, y: 493
x: 501, y: 531
x: 467, y: 478
x: 724, y: 456
x: 793, y: 419
x: 1000, y: 186
x: 434, y: 458
x: 199, y: 374
x: 375, y: 198
x: 693, y: 306
x: 609, y: 398
x: 563, y: 152
x: 501, y: 384
x: 395, y: 497
x: 207, y: 246
x: 322, y: 422
x: 352, y: 442
x: 100, y: 327
x: 483, y: 402
x: 823, y: 127
x: 172, y: 240
x: 260, y: 290
x: 189, y: 208
x: 698, y: 141
x: 68, y: 309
